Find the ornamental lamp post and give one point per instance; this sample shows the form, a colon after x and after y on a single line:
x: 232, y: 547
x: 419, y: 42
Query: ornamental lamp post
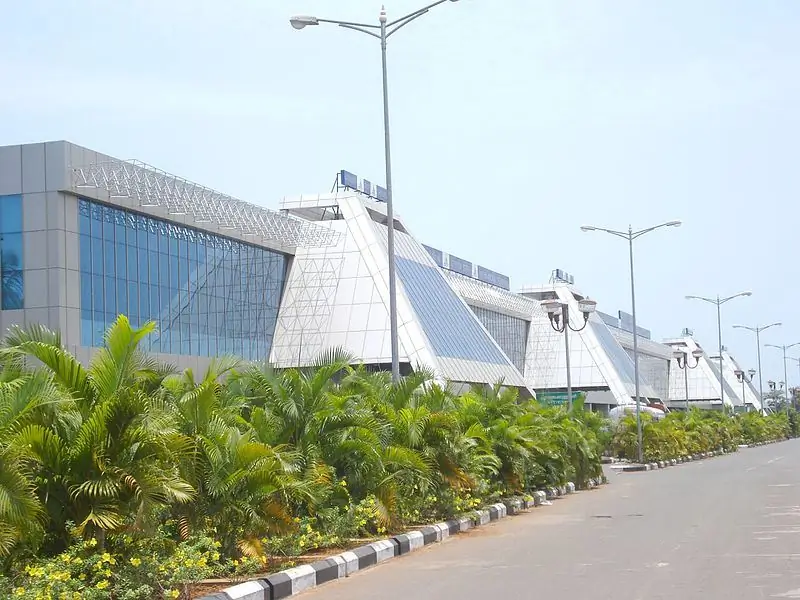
x: 682, y: 358
x: 558, y: 313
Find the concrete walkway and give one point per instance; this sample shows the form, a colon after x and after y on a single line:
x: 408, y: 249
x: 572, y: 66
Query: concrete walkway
x: 725, y: 528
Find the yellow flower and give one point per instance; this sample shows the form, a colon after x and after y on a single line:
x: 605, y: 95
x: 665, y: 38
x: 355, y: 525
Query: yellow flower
x: 82, y: 576
x: 20, y: 591
x: 78, y: 560
x: 173, y: 594
x: 188, y: 563
x: 215, y: 556
x: 106, y: 557
x: 101, y: 585
x: 136, y: 562
x: 92, y: 543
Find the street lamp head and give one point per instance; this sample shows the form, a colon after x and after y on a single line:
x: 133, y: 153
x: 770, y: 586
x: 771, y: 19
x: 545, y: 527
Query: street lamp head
x: 552, y: 306
x: 697, y: 354
x: 382, y: 17
x: 752, y: 373
x: 679, y: 355
x: 739, y: 374
x: 301, y: 21
x: 587, y: 307
x: 588, y: 228
x: 673, y: 224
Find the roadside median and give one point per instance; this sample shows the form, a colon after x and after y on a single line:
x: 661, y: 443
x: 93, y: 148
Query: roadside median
x: 292, y: 581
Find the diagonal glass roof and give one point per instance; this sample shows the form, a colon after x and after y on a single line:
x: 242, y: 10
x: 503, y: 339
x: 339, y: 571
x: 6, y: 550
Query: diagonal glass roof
x: 153, y: 187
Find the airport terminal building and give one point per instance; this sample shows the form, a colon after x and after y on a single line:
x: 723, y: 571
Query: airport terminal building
x: 85, y: 237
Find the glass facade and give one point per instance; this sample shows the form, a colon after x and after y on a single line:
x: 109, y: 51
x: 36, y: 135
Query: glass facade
x: 209, y: 295
x: 449, y: 325
x: 510, y: 333
x: 11, y: 253
x: 655, y: 371
x: 619, y: 358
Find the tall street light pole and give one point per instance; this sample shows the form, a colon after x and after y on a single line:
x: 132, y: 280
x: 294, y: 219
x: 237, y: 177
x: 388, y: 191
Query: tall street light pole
x: 558, y: 312
x: 682, y: 358
x: 631, y: 235
x: 757, y: 330
x: 719, y: 302
x: 797, y: 360
x: 785, y: 374
x: 382, y: 32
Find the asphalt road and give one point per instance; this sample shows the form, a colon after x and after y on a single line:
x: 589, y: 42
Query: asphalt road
x: 725, y: 528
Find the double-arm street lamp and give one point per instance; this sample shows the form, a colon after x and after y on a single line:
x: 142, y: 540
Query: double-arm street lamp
x: 382, y: 32
x: 784, y: 348
x: 558, y: 312
x: 631, y: 235
x: 719, y: 302
x: 682, y: 358
x: 740, y: 375
x: 757, y: 330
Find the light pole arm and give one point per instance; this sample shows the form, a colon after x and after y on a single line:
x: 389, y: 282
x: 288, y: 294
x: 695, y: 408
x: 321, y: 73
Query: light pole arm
x: 356, y: 28
x: 641, y: 232
x: 406, y: 22
x: 416, y: 13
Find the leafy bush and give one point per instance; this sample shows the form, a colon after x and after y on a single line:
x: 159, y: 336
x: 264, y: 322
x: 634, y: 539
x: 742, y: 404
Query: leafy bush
x: 682, y: 434
x: 125, y: 479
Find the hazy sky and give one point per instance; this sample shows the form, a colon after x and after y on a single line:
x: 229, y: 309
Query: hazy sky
x: 514, y: 122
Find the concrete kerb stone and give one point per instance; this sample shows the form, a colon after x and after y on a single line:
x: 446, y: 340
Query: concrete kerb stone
x: 453, y: 526
x: 539, y: 498
x: 385, y: 549
x: 430, y: 534
x: 367, y: 556
x: 350, y: 562
x: 481, y: 517
x: 444, y: 531
x: 570, y: 487
x: 514, y: 505
x: 464, y: 524
x: 329, y: 569
x: 409, y: 541
x: 249, y: 590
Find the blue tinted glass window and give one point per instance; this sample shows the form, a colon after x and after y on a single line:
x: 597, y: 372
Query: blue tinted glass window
x: 207, y: 294
x: 84, y: 217
x: 452, y: 329
x: 86, y: 291
x: 11, y: 214
x: 12, y: 282
x: 86, y: 253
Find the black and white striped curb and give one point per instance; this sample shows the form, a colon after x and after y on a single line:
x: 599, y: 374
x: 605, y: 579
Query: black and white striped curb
x: 298, y: 579
x: 663, y: 464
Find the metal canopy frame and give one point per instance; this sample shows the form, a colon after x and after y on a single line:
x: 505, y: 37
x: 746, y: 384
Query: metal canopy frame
x: 152, y: 187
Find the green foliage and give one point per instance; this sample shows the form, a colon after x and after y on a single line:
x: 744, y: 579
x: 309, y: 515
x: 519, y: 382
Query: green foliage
x: 682, y: 434
x: 170, y: 478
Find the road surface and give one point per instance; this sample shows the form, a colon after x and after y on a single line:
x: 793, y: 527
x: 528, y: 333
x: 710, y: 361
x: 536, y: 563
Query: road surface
x: 725, y: 528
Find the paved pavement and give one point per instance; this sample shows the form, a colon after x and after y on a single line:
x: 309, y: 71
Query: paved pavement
x: 725, y: 528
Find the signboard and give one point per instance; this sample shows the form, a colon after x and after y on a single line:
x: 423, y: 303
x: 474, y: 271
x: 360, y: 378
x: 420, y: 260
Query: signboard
x: 435, y: 254
x: 348, y: 179
x: 459, y: 265
x: 493, y: 278
x: 381, y: 195
x: 366, y: 187
x: 555, y: 398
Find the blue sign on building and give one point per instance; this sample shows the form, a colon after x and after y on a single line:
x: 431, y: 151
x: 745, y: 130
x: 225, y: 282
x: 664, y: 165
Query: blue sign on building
x: 348, y: 179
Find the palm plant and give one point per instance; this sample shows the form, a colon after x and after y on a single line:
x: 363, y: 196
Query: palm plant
x: 244, y: 486
x: 112, y: 460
